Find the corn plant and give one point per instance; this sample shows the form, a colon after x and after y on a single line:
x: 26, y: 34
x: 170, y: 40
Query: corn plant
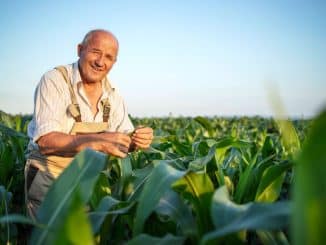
x: 203, y: 181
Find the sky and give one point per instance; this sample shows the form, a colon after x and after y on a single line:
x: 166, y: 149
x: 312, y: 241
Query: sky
x: 176, y: 57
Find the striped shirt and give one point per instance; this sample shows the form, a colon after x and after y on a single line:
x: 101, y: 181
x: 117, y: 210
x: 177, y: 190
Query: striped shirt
x: 52, y: 99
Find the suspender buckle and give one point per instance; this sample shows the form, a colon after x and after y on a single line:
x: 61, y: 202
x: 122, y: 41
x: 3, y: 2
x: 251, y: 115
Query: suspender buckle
x: 106, y: 109
x: 74, y: 111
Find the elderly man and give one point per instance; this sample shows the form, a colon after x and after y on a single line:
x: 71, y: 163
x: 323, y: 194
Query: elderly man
x: 76, y: 107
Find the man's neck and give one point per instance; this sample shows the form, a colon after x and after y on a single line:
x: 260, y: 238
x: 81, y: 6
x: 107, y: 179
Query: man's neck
x: 93, y: 92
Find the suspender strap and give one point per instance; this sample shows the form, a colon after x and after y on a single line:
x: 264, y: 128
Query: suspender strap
x: 106, y: 103
x: 74, y: 107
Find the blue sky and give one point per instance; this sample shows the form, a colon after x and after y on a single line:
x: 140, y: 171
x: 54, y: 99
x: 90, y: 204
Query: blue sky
x: 183, y: 57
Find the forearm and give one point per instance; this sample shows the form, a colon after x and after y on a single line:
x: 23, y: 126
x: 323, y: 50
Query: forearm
x: 57, y: 143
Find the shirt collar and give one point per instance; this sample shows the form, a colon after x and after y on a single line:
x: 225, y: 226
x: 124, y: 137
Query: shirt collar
x: 76, y: 78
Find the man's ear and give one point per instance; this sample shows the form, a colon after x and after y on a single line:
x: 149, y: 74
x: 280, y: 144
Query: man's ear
x: 79, y: 49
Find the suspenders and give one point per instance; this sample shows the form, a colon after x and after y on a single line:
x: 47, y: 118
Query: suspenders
x: 73, y: 108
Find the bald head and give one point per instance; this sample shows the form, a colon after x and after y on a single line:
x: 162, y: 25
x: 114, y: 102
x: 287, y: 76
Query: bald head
x: 91, y: 34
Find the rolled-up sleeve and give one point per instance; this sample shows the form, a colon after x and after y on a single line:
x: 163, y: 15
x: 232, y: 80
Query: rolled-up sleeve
x: 50, y: 105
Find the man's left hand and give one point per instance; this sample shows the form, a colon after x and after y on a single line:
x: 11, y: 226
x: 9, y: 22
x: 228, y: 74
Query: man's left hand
x: 142, y: 137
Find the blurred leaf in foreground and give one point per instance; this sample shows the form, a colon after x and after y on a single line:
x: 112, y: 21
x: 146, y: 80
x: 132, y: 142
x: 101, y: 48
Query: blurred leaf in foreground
x: 76, y: 228
x: 310, y: 187
x: 80, y: 176
x: 289, y: 136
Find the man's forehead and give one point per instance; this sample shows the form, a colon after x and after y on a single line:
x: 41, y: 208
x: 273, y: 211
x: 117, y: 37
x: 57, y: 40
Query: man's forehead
x: 102, y: 36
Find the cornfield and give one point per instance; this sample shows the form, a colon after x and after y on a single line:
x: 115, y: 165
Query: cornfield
x: 246, y: 180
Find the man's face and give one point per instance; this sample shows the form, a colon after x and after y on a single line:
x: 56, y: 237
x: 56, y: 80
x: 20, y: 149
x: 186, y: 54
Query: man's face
x: 97, y: 57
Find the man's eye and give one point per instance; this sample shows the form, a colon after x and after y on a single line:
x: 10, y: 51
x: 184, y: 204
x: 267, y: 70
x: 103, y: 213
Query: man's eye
x: 95, y: 52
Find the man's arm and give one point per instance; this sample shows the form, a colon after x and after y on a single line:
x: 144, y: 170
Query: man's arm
x: 57, y: 143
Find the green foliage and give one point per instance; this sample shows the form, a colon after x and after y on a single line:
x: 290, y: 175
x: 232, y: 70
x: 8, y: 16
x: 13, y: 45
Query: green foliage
x: 203, y: 180
x: 158, y: 183
x: 229, y: 217
x: 13, y: 142
x: 171, y: 206
x: 79, y: 177
x: 197, y: 189
x: 310, y: 187
x: 147, y: 239
x: 76, y: 228
x: 12, y: 159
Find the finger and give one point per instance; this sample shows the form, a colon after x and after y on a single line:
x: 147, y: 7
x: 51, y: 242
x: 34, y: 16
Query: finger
x: 145, y: 130
x: 144, y: 134
x: 119, y: 154
x: 142, y: 137
x: 139, y: 141
x: 121, y: 139
x: 124, y: 140
x: 115, y: 150
x: 134, y: 131
x: 123, y: 149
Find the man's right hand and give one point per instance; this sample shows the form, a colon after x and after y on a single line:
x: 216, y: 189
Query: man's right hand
x: 116, y: 144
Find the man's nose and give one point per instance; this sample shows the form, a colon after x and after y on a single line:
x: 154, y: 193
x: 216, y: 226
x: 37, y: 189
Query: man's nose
x: 99, y: 60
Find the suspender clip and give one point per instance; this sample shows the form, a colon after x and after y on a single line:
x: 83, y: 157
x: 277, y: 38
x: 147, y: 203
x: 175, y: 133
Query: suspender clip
x: 74, y: 111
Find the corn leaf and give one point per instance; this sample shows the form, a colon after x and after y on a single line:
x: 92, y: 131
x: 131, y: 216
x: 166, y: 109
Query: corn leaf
x: 81, y: 175
x: 206, y: 125
x: 147, y: 239
x: 229, y: 217
x: 271, y: 182
x: 76, y: 228
x: 197, y: 188
x: 173, y: 206
x: 158, y: 183
x: 108, y: 206
x: 18, y: 218
x: 310, y: 187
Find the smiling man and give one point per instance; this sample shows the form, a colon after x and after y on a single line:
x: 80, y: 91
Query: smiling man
x: 76, y: 107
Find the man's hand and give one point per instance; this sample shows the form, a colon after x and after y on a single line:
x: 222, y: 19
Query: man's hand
x: 116, y: 144
x: 142, y: 138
